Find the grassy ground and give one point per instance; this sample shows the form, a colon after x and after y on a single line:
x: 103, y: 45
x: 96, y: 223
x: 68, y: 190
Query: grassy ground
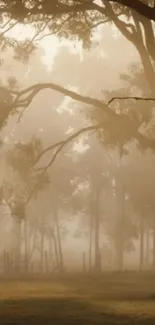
x: 111, y: 299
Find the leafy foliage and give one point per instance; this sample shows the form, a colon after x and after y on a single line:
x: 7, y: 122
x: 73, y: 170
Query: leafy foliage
x: 21, y: 179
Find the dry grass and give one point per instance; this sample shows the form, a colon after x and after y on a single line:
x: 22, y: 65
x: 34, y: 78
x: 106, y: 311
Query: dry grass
x: 111, y: 299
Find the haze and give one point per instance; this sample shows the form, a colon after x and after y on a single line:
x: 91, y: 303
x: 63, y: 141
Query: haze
x: 77, y: 189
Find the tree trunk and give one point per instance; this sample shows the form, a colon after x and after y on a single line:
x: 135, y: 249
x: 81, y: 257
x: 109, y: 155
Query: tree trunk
x: 26, y: 245
x: 141, y: 260
x: 149, y: 36
x: 147, y: 66
x: 56, y: 251
x: 84, y: 262
x: 42, y: 250
x: 46, y: 263
x: 97, y: 249
x: 120, y: 225
x: 90, y: 240
x: 17, y: 233
x: 61, y: 264
x: 96, y: 217
x: 136, y: 39
x: 147, y: 247
x: 50, y: 248
x: 154, y: 241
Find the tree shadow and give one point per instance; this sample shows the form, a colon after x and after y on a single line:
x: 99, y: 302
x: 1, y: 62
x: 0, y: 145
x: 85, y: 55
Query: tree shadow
x: 62, y: 311
x: 106, y: 288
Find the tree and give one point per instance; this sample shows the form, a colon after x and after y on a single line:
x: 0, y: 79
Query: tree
x: 117, y: 127
x: 90, y: 12
x: 139, y: 180
x: 94, y: 176
x: 17, y: 186
x: 22, y: 11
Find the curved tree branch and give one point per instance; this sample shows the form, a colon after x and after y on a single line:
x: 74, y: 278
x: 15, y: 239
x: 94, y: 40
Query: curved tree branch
x: 62, y: 144
x: 121, y: 120
x: 32, y: 91
x: 139, y: 6
x: 59, y: 147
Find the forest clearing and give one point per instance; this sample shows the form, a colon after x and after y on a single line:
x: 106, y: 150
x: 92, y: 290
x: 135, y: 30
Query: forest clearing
x: 112, y: 298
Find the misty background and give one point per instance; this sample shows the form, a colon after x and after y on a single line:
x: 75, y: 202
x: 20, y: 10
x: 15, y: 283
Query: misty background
x: 82, y: 181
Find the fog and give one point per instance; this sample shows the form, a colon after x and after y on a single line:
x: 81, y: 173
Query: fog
x: 77, y: 157
x: 85, y: 215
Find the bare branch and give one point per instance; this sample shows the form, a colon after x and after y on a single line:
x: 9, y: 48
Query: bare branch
x: 21, y: 115
x: 63, y: 143
x: 57, y: 30
x: 52, y: 147
x: 60, y: 146
x: 35, y: 89
x: 122, y: 119
x: 149, y: 99
x: 34, y: 38
x: 8, y: 29
x: 7, y: 23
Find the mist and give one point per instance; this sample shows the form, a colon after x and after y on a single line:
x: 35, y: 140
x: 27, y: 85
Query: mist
x: 77, y: 179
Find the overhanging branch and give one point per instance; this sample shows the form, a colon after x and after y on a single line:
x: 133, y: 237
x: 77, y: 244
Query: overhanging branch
x: 60, y: 145
x: 30, y: 92
x: 25, y: 97
x: 139, y: 6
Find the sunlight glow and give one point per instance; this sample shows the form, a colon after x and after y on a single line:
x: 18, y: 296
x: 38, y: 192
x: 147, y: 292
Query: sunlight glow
x: 80, y: 146
x: 64, y: 106
x: 52, y: 44
x: 99, y: 3
x: 51, y: 48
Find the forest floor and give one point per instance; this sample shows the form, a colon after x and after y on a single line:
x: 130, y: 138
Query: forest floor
x: 111, y: 299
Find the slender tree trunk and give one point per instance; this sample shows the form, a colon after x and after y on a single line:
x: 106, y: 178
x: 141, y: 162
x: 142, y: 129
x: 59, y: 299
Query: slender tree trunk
x: 26, y: 244
x: 84, y: 262
x: 42, y: 250
x: 0, y: 232
x: 17, y: 229
x: 46, y: 263
x: 120, y: 225
x: 96, y: 235
x: 31, y: 248
x: 50, y: 247
x: 90, y: 240
x: 154, y: 241
x: 5, y: 262
x: 147, y: 247
x: 141, y: 259
x: 56, y: 250
x: 61, y: 265
x: 97, y: 231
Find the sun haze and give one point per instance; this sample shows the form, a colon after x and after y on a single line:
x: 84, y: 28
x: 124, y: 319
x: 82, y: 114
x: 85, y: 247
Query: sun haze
x: 77, y: 180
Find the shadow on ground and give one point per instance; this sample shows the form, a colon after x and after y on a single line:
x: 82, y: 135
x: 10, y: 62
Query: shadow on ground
x: 116, y: 286
x: 61, y: 311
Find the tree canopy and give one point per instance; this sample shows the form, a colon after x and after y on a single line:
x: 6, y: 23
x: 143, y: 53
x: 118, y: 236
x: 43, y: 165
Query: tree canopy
x: 21, y: 10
